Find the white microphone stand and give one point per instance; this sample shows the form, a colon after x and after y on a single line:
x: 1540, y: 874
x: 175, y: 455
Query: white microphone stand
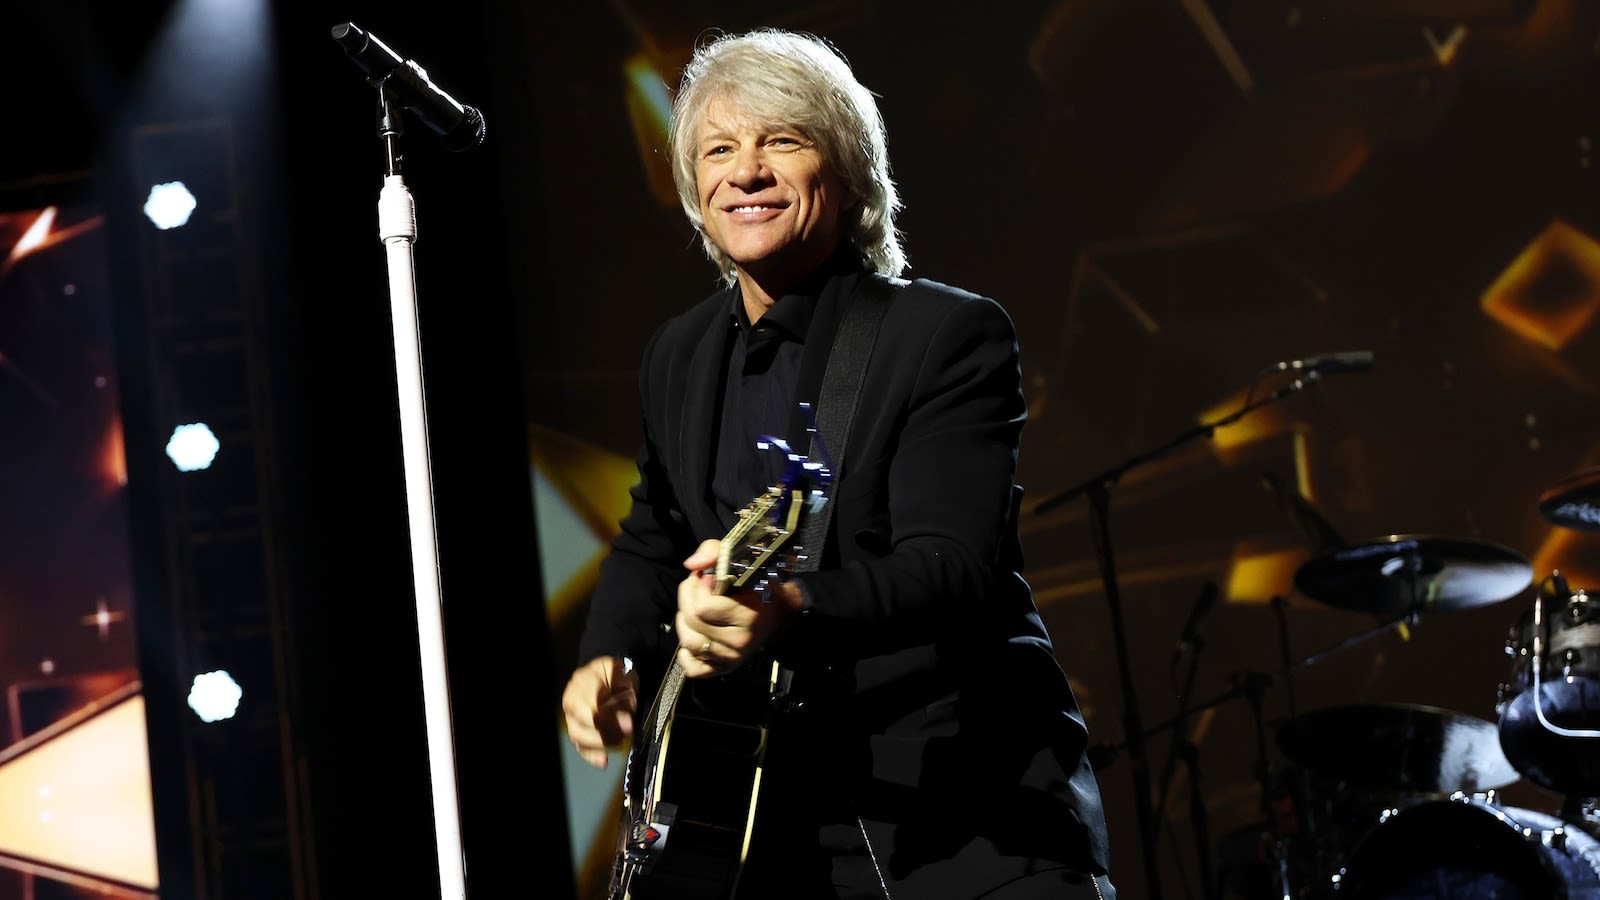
x: 397, y: 226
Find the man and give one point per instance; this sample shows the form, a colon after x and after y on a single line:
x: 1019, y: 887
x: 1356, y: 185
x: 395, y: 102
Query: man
x: 931, y: 746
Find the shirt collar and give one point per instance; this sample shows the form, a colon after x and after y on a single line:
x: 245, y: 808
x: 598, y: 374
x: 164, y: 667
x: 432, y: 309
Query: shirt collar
x: 792, y: 312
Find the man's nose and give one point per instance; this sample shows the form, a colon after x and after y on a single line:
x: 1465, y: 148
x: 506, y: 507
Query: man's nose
x: 749, y: 168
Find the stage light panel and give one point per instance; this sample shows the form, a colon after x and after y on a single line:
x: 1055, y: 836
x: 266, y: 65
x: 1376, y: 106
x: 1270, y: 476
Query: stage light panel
x: 75, y: 800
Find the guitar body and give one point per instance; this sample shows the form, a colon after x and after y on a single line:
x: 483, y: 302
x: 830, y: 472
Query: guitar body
x: 694, y: 772
x: 688, y: 820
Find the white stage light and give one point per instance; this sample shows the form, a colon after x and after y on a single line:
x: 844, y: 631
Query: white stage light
x: 215, y: 696
x: 192, y: 447
x: 169, y: 205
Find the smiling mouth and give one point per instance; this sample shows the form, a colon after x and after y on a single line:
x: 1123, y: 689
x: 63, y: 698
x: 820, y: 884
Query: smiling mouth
x: 751, y: 209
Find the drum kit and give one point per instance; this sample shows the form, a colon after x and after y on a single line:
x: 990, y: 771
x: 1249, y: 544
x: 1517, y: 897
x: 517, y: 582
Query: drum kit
x: 1390, y: 801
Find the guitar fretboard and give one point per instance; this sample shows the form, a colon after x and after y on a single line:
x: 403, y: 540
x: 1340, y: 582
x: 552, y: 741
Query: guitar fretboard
x: 666, y: 700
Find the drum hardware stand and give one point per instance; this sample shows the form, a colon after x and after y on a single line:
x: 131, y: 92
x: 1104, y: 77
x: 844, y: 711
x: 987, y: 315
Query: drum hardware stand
x: 1583, y: 812
x: 1280, y: 612
x: 1251, y: 686
x: 1106, y: 753
x: 1281, y: 841
x: 1210, y: 882
x: 1185, y: 749
x: 1409, y: 619
x: 1254, y: 687
x: 1098, y: 490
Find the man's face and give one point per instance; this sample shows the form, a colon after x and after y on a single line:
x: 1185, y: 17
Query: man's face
x: 767, y: 197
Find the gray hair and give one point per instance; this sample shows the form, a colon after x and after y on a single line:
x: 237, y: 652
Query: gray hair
x: 793, y: 80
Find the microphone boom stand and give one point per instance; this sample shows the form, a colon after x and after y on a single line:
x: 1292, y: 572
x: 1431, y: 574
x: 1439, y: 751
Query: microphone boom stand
x: 1098, y: 490
x: 398, y: 230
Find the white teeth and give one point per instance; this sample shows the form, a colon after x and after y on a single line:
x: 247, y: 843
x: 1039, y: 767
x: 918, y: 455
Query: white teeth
x: 748, y: 209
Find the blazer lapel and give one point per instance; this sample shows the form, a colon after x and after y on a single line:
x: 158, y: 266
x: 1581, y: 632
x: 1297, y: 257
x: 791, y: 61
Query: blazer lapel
x: 696, y: 426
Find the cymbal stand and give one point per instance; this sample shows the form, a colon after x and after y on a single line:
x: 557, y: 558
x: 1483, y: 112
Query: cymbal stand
x: 1210, y: 882
x: 1254, y: 688
x: 1279, y: 606
x: 1253, y: 685
x: 1250, y: 685
x: 1185, y: 749
x: 1105, y: 753
x: 1405, y: 620
x: 1098, y: 490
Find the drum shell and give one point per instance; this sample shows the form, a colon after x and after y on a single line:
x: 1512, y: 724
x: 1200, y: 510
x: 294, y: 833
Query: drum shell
x: 1569, y: 695
x: 1470, y: 847
x: 1328, y: 817
x: 1570, y: 640
x: 1316, y: 821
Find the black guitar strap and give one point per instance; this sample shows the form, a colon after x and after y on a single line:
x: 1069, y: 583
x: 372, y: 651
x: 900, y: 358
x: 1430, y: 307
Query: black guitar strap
x: 841, y: 388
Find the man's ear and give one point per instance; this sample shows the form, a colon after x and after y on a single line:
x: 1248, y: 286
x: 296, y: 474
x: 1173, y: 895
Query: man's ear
x: 852, y: 207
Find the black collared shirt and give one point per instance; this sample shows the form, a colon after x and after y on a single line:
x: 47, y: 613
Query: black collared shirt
x: 758, y: 399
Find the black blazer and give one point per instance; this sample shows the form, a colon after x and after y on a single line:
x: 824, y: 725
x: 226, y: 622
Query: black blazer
x: 948, y: 729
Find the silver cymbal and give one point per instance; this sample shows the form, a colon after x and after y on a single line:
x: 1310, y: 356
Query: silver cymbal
x: 1404, y: 573
x: 1574, y: 502
x: 1399, y: 745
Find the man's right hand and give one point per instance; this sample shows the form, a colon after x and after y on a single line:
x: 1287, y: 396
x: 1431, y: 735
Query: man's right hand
x: 599, y: 702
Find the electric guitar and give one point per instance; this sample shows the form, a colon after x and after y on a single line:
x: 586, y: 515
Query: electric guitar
x: 694, y: 772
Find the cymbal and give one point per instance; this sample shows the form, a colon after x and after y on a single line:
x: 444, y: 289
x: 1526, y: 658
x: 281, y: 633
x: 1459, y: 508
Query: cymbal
x: 1406, y: 573
x: 1574, y: 502
x: 1399, y: 745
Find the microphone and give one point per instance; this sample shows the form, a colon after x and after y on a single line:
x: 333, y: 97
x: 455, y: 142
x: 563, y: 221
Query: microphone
x: 1330, y: 363
x: 1191, y: 629
x: 460, y: 125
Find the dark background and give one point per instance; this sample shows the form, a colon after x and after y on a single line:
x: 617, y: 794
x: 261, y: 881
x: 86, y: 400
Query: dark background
x: 1168, y: 197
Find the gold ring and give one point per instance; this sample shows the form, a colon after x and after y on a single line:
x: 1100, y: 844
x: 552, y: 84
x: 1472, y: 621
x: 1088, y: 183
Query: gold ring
x: 705, y: 651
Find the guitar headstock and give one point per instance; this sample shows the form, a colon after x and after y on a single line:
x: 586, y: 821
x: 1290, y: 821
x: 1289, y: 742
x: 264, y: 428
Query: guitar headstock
x: 765, y: 540
x: 760, y: 543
